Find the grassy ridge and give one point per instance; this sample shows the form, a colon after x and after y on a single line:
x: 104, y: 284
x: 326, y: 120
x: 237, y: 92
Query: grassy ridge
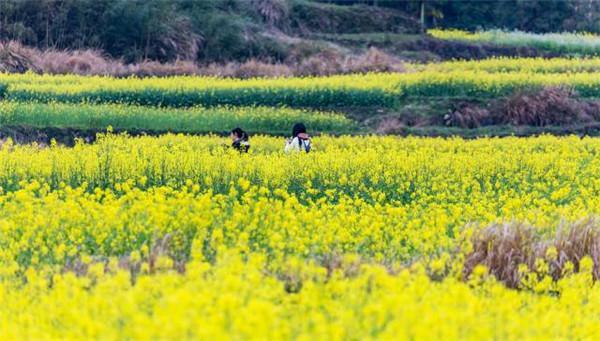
x: 505, y: 64
x: 490, y: 85
x: 193, y: 120
x: 565, y: 43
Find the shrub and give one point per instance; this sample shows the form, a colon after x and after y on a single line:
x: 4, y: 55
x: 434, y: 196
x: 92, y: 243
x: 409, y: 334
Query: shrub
x: 504, y: 248
x: 14, y: 57
x: 85, y: 62
x: 549, y: 106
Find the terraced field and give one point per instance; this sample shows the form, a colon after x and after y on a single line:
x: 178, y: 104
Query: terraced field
x: 176, y: 236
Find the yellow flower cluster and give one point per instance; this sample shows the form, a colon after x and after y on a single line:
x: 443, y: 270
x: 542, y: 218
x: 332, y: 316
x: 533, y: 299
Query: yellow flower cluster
x: 177, y: 237
x: 236, y: 298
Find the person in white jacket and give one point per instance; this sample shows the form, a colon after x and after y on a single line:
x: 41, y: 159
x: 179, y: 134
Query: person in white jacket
x: 300, y: 141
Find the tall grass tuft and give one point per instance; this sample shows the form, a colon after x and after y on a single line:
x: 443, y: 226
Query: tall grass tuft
x: 506, y: 248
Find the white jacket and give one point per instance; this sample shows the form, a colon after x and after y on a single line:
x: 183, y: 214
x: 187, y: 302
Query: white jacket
x: 296, y: 145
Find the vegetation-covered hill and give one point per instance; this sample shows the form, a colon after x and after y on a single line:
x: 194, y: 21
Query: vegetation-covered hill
x: 276, y: 30
x: 204, y: 31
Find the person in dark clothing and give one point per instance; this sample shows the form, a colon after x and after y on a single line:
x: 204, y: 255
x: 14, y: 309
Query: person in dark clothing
x: 240, y: 140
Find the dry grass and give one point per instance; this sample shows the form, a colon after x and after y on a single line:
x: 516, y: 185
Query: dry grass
x: 86, y: 62
x: 329, y: 63
x: 502, y: 248
x: 249, y: 69
x: 150, y: 68
x: 17, y: 58
x: 272, y: 11
x: 390, y: 125
x: 549, y: 106
x: 14, y: 57
x: 469, y: 116
x: 374, y: 60
x: 160, y: 249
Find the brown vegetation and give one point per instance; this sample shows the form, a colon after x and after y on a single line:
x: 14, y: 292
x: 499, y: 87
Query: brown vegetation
x: 391, y: 125
x: 374, y: 60
x: 14, y: 57
x: 469, y: 116
x: 551, y: 106
x: 17, y: 58
x: 503, y: 248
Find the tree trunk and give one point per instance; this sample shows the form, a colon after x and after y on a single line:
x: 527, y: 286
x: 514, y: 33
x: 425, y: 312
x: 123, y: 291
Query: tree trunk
x: 423, y: 15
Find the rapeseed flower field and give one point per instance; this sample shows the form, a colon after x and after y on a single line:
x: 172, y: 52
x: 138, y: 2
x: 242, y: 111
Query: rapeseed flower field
x: 177, y: 237
x: 491, y: 78
x: 365, y: 237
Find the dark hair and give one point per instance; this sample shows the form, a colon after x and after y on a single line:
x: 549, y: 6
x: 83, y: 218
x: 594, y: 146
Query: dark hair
x: 242, y: 135
x: 298, y: 128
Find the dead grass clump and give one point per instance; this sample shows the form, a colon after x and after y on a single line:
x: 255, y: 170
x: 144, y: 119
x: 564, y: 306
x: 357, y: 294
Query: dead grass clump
x: 321, y: 64
x: 85, y: 62
x: 329, y: 63
x: 249, y: 69
x: 549, y: 106
x: 152, y: 263
x: 504, y: 248
x: 15, y: 58
x: 399, y: 123
x: 255, y: 68
x: 391, y: 125
x: 501, y: 248
x: 468, y: 116
x: 152, y: 68
x: 574, y: 243
x: 272, y: 11
x: 552, y: 106
x: 374, y: 60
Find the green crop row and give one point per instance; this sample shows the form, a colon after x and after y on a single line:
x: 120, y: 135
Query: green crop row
x: 336, y: 91
x: 192, y: 120
x: 567, y: 43
x: 488, y: 85
x: 509, y: 65
x: 373, y: 90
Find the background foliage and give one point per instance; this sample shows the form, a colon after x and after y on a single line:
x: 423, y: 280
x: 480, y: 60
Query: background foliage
x: 223, y: 30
